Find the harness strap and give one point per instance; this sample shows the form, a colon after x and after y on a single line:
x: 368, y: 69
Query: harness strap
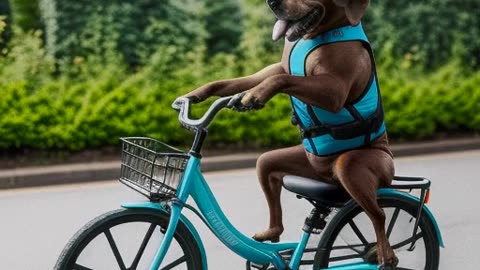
x: 360, y: 126
x: 348, y: 130
x: 296, y: 122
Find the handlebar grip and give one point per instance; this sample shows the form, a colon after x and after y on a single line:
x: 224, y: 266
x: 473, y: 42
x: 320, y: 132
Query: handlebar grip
x: 182, y: 105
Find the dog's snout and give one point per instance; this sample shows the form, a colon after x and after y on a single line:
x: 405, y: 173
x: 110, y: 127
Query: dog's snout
x: 274, y: 4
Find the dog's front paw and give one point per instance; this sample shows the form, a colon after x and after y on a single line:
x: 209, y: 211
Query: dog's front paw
x: 253, y: 101
x: 237, y: 103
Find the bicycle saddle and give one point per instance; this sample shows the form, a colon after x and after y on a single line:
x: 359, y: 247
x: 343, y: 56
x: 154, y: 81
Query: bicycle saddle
x: 326, y: 194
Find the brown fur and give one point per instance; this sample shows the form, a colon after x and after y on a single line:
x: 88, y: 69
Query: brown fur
x: 336, y: 74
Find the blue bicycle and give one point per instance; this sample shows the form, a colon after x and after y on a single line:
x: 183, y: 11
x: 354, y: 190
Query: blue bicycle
x: 156, y: 235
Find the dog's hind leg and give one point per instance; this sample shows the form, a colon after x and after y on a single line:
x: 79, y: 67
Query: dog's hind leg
x: 362, y: 172
x: 271, y: 168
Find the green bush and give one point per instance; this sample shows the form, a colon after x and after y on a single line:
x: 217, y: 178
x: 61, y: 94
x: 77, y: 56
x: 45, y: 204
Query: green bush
x: 222, y: 22
x: 26, y: 14
x: 94, y: 112
x: 5, y: 21
x: 257, y: 48
x: 133, y: 28
x: 98, y: 98
x: 24, y: 60
x: 425, y: 32
x: 445, y: 101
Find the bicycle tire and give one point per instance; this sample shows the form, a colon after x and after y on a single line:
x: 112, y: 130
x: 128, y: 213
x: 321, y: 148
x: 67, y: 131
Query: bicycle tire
x: 68, y: 257
x: 351, y: 210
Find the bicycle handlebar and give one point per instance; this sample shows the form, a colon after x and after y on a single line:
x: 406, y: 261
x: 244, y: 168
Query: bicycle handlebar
x: 182, y: 105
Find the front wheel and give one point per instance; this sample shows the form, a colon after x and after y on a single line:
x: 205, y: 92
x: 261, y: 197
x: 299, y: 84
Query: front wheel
x: 350, y: 238
x: 128, y: 239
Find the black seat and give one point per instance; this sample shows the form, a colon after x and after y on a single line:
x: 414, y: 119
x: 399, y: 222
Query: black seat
x: 335, y: 196
x: 326, y: 194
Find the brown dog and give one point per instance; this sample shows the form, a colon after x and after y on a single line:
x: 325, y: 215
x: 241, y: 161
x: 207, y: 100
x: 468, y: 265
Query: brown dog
x: 335, y: 76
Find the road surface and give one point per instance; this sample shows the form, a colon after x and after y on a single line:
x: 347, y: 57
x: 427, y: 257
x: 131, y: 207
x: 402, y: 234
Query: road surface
x: 36, y: 223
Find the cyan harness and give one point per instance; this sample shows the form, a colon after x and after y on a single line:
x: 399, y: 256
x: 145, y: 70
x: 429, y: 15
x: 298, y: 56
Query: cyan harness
x: 357, y: 124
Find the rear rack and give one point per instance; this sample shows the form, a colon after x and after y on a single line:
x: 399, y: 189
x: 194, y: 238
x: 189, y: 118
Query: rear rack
x: 410, y: 183
x: 407, y: 182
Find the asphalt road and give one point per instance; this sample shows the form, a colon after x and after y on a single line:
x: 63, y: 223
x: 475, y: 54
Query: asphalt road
x: 36, y: 223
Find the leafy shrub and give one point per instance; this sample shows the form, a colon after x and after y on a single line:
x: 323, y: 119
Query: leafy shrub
x: 257, y: 49
x: 95, y: 112
x: 425, y: 31
x: 26, y: 14
x: 222, y: 22
x: 444, y: 101
x: 24, y: 60
x: 134, y: 28
x: 5, y: 19
x: 98, y: 98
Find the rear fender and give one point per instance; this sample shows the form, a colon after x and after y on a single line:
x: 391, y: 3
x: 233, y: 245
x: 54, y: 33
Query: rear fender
x: 396, y: 193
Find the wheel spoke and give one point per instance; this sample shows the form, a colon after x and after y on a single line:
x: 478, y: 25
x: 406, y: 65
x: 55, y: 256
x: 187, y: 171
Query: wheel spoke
x: 392, y: 222
x: 408, y: 241
x: 360, y: 254
x: 80, y: 267
x: 348, y: 231
x: 118, y: 257
x: 345, y: 257
x: 357, y: 232
x: 175, y: 263
x: 140, y: 252
x: 353, y: 247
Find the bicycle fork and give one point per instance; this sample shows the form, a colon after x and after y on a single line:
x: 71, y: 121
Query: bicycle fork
x: 175, y: 210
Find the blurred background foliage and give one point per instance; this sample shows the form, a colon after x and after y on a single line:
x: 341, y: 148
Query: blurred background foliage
x: 77, y: 74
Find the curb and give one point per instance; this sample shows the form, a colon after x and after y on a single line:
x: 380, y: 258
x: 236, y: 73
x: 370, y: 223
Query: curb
x: 91, y: 172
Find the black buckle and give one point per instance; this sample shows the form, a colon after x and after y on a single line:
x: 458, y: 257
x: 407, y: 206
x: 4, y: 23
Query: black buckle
x: 303, y: 133
x: 315, y: 131
x: 294, y: 120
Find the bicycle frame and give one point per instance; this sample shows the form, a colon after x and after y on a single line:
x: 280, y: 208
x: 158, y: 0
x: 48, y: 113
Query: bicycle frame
x: 194, y: 184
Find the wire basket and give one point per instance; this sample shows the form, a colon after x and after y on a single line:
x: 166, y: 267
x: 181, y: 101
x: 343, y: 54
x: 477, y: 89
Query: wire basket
x: 151, y: 167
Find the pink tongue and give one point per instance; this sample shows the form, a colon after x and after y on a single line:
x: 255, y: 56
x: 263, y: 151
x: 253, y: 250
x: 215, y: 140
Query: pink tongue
x: 280, y: 29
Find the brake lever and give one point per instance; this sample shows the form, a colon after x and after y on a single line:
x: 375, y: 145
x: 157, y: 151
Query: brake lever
x: 235, y: 100
x: 235, y: 103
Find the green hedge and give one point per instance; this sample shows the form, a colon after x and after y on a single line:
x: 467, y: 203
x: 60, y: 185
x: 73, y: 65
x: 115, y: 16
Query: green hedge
x: 99, y: 99
x: 427, y: 33
x: 223, y: 24
x: 26, y: 14
x: 95, y: 112
x: 446, y: 101
x: 134, y: 28
x: 5, y: 21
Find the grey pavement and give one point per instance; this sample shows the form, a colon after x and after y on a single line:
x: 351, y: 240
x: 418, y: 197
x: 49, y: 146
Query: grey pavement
x: 100, y: 171
x: 37, y: 222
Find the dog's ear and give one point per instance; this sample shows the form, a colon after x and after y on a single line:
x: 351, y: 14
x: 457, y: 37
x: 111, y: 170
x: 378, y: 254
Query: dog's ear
x: 354, y: 9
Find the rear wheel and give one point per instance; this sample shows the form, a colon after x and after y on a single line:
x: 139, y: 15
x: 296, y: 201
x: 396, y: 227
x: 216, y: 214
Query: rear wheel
x: 350, y: 238
x: 127, y: 239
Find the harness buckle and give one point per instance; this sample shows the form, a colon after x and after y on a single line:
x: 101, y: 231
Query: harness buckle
x: 304, y: 134
x: 294, y: 120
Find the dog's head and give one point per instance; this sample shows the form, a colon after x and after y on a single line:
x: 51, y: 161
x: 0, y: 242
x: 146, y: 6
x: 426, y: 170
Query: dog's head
x: 299, y: 18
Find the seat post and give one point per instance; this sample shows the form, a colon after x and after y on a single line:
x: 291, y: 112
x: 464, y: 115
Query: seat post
x: 316, y: 222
